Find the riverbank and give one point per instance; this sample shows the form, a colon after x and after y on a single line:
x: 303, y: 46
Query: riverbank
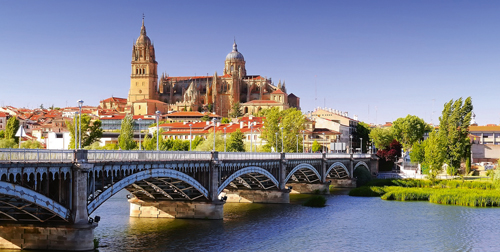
x: 447, y: 192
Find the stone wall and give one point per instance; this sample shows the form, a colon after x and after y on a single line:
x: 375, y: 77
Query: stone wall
x: 176, y: 209
x: 256, y: 196
x: 303, y: 188
x: 64, y: 237
x: 343, y: 183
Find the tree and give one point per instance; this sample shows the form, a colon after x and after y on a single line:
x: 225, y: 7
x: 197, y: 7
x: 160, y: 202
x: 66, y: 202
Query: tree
x: 418, y: 152
x: 31, y: 144
x: 210, y: 107
x: 292, y: 121
x: 235, y: 142
x: 316, y: 146
x: 2, y: 133
x: 391, y: 152
x: 236, y: 111
x: 382, y: 137
x: 433, y: 154
x: 205, y: 118
x: 409, y: 130
x: 126, y: 138
x: 8, y: 143
x: 225, y: 120
x: 91, y: 131
x: 363, y: 131
x: 453, y: 132
x: 11, y: 128
x: 208, y: 144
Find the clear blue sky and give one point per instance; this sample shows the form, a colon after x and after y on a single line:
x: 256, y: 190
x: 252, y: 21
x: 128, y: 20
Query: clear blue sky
x: 379, y: 60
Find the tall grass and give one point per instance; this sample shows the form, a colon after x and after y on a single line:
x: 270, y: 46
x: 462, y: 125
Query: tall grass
x: 449, y: 192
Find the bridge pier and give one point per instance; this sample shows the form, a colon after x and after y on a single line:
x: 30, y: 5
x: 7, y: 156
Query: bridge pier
x: 304, y: 188
x: 47, y: 237
x: 256, y: 196
x: 177, y: 209
x: 342, y: 183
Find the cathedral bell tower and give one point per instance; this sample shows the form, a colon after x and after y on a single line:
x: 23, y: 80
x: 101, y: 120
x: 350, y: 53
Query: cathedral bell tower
x: 144, y: 78
x: 235, y: 62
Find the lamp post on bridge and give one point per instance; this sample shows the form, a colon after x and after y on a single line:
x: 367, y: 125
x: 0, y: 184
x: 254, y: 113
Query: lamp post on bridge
x: 361, y: 145
x: 76, y: 130
x: 251, y: 137
x: 276, y: 141
x: 324, y: 142
x: 350, y: 145
x: 190, y: 136
x: 282, y: 150
x: 303, y: 141
x: 213, y: 120
x: 80, y: 104
x: 140, y: 119
x: 157, y: 129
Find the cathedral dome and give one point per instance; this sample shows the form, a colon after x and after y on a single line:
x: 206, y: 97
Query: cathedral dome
x: 143, y: 39
x: 235, y: 55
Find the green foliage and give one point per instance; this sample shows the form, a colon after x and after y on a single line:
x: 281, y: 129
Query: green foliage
x: 367, y: 191
x: 409, y: 130
x: 161, y: 122
x: 208, y: 144
x: 363, y: 131
x: 31, y: 144
x: 91, y: 131
x: 205, y: 118
x: 126, y: 138
x: 210, y: 107
x: 418, y: 152
x: 362, y: 176
x: 453, y: 132
x: 11, y: 128
x: 225, y: 120
x: 315, y: 201
x: 316, y: 146
x: 236, y: 111
x: 292, y: 121
x: 8, y: 143
x: 2, y: 133
x: 433, y: 157
x: 235, y: 142
x: 196, y: 141
x: 381, y: 137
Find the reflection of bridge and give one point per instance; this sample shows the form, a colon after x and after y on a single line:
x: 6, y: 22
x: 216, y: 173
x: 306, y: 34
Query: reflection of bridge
x: 51, y: 194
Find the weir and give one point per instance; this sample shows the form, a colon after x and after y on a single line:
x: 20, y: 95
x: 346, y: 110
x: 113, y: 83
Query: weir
x: 49, y: 196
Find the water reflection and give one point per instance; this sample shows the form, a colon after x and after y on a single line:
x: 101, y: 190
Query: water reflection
x: 345, y: 224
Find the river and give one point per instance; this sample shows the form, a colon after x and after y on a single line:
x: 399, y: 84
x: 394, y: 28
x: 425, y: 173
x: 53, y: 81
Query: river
x: 345, y: 224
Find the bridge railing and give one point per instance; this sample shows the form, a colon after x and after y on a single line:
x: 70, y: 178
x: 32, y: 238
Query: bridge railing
x: 303, y: 155
x: 361, y: 155
x: 248, y: 155
x: 36, y: 155
x: 338, y: 155
x: 106, y: 155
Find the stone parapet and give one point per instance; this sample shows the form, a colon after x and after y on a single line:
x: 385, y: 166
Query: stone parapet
x: 176, y: 209
x: 343, y: 183
x: 256, y: 196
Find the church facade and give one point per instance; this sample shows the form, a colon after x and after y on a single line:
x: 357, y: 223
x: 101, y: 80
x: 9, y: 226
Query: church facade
x: 217, y: 93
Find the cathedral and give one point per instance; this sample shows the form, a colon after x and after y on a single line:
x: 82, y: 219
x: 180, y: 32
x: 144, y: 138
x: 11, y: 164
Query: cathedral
x: 217, y: 93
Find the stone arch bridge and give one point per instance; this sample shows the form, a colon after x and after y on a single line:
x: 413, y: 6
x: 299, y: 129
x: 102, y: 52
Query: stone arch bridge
x: 51, y: 189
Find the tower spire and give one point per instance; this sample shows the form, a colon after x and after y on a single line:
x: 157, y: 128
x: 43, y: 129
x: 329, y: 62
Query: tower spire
x: 143, y: 28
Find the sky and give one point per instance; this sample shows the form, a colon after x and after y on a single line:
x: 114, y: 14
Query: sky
x: 379, y: 60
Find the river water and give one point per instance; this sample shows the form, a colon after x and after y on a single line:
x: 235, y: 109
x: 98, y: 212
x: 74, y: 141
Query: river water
x: 345, y: 224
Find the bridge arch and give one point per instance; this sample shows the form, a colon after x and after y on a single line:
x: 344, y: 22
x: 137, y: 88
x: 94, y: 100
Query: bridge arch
x: 362, y: 163
x: 337, y: 164
x: 302, y: 166
x: 31, y: 196
x: 250, y: 169
x: 153, y: 173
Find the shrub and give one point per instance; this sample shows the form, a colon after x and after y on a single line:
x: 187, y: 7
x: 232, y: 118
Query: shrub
x: 315, y: 201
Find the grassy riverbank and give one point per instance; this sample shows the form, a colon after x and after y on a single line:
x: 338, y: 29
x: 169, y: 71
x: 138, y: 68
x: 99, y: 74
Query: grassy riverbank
x: 448, y: 192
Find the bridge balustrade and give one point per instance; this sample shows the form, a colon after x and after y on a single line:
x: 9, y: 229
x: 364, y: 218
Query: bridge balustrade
x: 105, y: 155
x: 361, y: 155
x: 36, y: 155
x: 338, y: 155
x: 303, y: 155
x: 248, y: 155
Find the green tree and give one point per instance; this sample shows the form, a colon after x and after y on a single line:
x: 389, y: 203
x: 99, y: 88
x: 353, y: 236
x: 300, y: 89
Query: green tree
x: 418, y: 152
x: 205, y: 118
x: 210, y: 107
x: 292, y: 121
x: 11, y: 128
x: 316, y: 146
x: 225, y: 120
x: 381, y: 137
x: 8, y: 143
x: 409, y: 130
x: 433, y: 154
x: 196, y: 141
x: 236, y: 111
x: 208, y: 144
x: 363, y: 131
x: 31, y: 144
x: 2, y: 133
x: 235, y: 142
x: 126, y: 138
x: 91, y: 131
x: 149, y: 143
x: 453, y: 132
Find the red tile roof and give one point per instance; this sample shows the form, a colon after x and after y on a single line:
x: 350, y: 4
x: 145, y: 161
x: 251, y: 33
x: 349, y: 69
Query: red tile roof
x: 183, y: 78
x: 277, y: 91
x: 116, y: 99
x: 2, y: 114
x: 262, y: 102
